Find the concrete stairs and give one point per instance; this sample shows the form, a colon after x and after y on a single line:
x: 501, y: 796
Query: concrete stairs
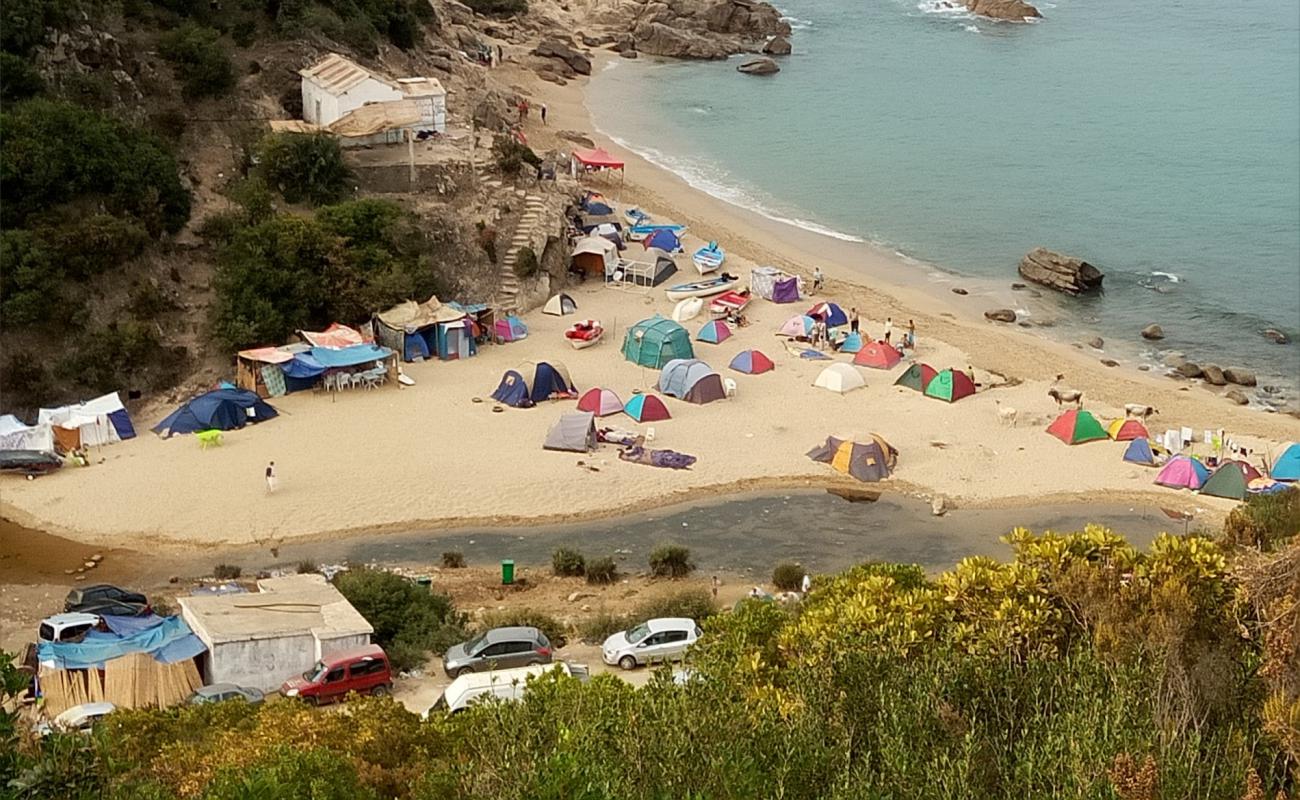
x: 524, y: 236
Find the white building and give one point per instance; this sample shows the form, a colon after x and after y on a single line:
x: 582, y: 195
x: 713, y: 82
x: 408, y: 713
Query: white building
x: 336, y: 86
x: 262, y: 638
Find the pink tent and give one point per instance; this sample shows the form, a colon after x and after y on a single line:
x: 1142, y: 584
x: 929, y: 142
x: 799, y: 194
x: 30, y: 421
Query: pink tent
x: 1183, y: 472
x: 601, y: 402
x: 797, y: 326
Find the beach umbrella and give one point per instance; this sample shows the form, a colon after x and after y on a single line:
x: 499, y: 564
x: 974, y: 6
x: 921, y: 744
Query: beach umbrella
x: 1075, y: 427
x: 952, y: 385
x: 601, y: 402
x: 917, y: 377
x: 1231, y: 480
x: 1124, y: 430
x: 663, y: 239
x: 1139, y: 452
x: 1183, y: 472
x: 1286, y: 467
x: 752, y: 362
x: 797, y: 326
x: 646, y: 408
x: 714, y: 332
x: 877, y: 355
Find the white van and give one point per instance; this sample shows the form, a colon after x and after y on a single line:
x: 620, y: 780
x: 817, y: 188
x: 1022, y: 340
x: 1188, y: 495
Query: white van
x: 507, y: 684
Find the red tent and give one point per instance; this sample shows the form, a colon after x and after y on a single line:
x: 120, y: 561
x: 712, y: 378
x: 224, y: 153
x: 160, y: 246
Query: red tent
x: 878, y: 355
x: 596, y: 158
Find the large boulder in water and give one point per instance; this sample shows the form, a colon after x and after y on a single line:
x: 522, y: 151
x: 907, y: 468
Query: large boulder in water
x: 759, y: 66
x: 1006, y: 10
x: 658, y: 39
x: 1153, y: 332
x: 1060, y: 272
x: 778, y: 46
x: 1239, y: 376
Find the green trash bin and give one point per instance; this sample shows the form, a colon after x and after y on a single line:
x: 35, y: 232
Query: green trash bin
x: 507, y: 572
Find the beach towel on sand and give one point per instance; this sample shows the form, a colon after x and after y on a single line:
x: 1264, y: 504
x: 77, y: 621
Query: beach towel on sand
x: 657, y: 458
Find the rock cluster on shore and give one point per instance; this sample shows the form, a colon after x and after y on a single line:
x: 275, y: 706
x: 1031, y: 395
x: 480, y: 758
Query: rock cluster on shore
x: 700, y: 29
x: 1006, y: 10
x: 1060, y: 272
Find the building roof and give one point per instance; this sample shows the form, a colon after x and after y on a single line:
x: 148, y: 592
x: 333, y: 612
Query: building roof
x: 294, y: 605
x: 420, y: 87
x: 337, y: 74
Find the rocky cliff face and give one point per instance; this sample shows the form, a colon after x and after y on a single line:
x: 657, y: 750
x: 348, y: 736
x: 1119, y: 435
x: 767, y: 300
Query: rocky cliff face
x: 702, y: 29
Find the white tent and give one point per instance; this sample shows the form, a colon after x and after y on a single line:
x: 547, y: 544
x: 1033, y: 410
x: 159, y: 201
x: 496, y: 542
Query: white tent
x: 840, y: 378
x: 559, y: 305
x: 14, y: 435
x: 595, y: 255
x: 100, y: 421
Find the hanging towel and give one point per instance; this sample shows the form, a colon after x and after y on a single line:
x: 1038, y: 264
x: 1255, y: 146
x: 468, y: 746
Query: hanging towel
x: 273, y: 377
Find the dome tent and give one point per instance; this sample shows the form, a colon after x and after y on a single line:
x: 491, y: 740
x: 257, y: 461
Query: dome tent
x: 1286, y: 467
x: 951, y: 385
x: 646, y: 408
x: 1183, y: 472
x: 830, y: 313
x: 559, y: 305
x: 877, y: 355
x: 752, y: 362
x: 221, y: 409
x: 655, y: 341
x: 868, y: 458
x: 1076, y: 427
x: 691, y: 380
x: 1125, y: 430
x: 575, y: 432
x: 714, y: 332
x: 512, y: 390
x: 1139, y: 452
x: 840, y: 378
x: 1231, y: 480
x: 917, y: 377
x: 601, y: 402
x: 547, y: 379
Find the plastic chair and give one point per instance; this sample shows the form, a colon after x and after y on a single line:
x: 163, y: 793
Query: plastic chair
x: 344, y: 380
x: 729, y: 387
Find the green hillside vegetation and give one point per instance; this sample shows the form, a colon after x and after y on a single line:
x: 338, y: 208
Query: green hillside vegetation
x: 1083, y: 668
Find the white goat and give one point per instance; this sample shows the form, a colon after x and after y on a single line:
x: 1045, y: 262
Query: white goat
x: 1006, y: 414
x: 1138, y: 410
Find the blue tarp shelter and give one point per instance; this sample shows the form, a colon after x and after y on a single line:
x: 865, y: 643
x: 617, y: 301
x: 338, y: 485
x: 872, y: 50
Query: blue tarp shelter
x: 513, y: 390
x: 222, y: 409
x: 167, y: 639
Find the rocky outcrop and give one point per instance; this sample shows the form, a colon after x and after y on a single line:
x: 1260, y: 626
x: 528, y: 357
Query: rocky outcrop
x: 659, y: 39
x: 554, y: 48
x: 1006, y: 10
x: 1060, y: 272
x: 778, y: 46
x: 701, y: 29
x: 1000, y: 315
x: 759, y: 66
x: 1153, y: 332
x: 1239, y: 376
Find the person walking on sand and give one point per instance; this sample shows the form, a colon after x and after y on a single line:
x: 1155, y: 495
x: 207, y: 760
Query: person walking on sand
x: 270, y: 477
x: 818, y: 279
x: 716, y: 584
x: 543, y: 113
x: 853, y: 320
x: 911, y: 334
x: 889, y: 327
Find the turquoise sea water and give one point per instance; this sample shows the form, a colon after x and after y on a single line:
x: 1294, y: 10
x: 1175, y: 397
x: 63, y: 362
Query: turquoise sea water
x: 1160, y: 142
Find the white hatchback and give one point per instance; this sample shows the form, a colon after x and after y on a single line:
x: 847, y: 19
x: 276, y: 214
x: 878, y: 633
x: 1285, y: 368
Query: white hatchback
x: 664, y: 639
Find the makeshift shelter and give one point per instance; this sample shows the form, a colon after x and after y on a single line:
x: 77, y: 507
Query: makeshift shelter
x: 14, y: 435
x: 1286, y: 466
x: 601, y: 402
x: 772, y: 284
x: 221, y: 409
x: 951, y: 385
x: 796, y: 327
x: 1075, y: 426
x: 917, y: 377
x: 714, y: 332
x: 100, y: 421
x: 412, y: 329
x: 662, y: 239
x: 655, y: 341
x: 1124, y: 430
x: 830, y: 313
x: 511, y: 329
x: 595, y: 255
x: 646, y: 408
x: 594, y: 203
x: 559, y: 305
x: 547, y: 379
x: 575, y: 431
x: 660, y: 268
x: 840, y: 378
x: 512, y: 390
x: 335, y: 335
x: 596, y: 158
x: 691, y: 380
x: 851, y: 343
x: 1183, y: 472
x: 1231, y: 480
x: 868, y: 459
x: 1139, y: 452
x: 878, y: 355
x: 752, y: 362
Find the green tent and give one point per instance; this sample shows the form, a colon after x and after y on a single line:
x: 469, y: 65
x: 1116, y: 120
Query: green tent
x: 916, y: 377
x: 950, y: 386
x: 655, y: 341
x: 1232, y: 480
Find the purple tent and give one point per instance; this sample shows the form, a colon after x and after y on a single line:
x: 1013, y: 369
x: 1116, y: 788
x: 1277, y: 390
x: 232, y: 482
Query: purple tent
x: 786, y: 291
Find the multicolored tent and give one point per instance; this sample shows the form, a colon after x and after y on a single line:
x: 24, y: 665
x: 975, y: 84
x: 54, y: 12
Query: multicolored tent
x: 655, y: 341
x: 868, y: 458
x: 548, y: 379
x: 1183, y: 472
x: 952, y: 385
x: 601, y: 402
x: 841, y: 378
x: 1232, y: 480
x: 646, y: 408
x: 829, y: 313
x: 511, y: 329
x: 851, y: 343
x: 714, y: 332
x: 797, y: 326
x: 1139, y: 452
x: 877, y: 355
x: 1124, y: 430
x: 1286, y: 466
x: 752, y: 362
x: 917, y: 377
x: 1075, y: 427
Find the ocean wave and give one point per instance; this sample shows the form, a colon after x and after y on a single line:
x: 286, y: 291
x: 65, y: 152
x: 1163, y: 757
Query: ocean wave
x: 947, y: 8
x: 1171, y: 277
x: 971, y: 28
x: 796, y: 23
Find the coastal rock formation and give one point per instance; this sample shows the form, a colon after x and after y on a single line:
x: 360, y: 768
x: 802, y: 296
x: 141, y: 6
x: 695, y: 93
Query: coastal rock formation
x: 1096, y: 343
x: 1153, y: 332
x: 1237, y: 396
x: 778, y: 46
x: 1211, y: 374
x: 1239, y: 376
x: 759, y: 66
x: 1060, y: 272
x: 703, y: 29
x: 658, y: 39
x: 554, y: 48
x: 1277, y: 336
x: 1000, y: 315
x: 1006, y: 10
x: 1188, y: 369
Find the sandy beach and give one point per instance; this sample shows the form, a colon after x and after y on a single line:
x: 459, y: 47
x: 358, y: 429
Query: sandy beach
x: 437, y: 454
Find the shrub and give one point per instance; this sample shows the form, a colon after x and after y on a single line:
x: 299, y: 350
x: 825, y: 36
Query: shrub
x: 602, y: 571
x: 19, y: 80
x: 671, y: 561
x: 307, y: 567
x: 602, y: 626
x: 511, y: 154
x: 305, y: 166
x: 409, y: 621
x: 200, y: 61
x: 1264, y: 521
x: 453, y: 559
x: 169, y: 123
x: 125, y: 352
x: 568, y: 563
x: 696, y: 604
x: 526, y: 264
x: 554, y: 630
x: 788, y: 577
x: 226, y: 572
x: 498, y: 7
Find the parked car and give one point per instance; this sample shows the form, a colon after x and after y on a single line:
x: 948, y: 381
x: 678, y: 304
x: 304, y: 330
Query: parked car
x: 220, y: 692
x: 499, y: 648
x: 78, y: 718
x: 364, y: 670
x: 67, y: 627
x: 104, y: 598
x: 664, y: 639
x: 507, y: 684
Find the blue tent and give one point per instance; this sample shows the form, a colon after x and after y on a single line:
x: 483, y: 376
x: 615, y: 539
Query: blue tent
x: 593, y: 204
x: 851, y: 343
x: 664, y: 239
x: 512, y: 390
x: 1139, y: 452
x: 681, y: 374
x: 547, y: 380
x: 222, y: 409
x: 1287, y: 466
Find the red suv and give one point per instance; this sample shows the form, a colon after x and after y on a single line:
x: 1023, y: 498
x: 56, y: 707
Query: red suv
x: 364, y: 671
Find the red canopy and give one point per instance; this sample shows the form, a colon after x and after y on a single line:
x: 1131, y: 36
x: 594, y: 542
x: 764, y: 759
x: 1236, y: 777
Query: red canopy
x: 597, y: 157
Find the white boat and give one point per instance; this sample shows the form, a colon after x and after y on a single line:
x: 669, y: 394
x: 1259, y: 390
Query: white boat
x: 708, y: 258
x: 636, y: 216
x: 706, y: 288
x: 687, y: 309
x: 584, y: 334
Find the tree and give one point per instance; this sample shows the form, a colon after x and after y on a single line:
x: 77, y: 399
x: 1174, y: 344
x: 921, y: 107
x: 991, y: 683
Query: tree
x: 200, y: 61
x: 305, y: 167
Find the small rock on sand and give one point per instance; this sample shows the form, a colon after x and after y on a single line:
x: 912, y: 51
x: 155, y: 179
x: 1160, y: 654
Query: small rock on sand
x: 1211, y: 374
x: 1017, y: 286
x: 1239, y: 376
x: 1153, y: 332
x: 1237, y: 396
x: 1096, y: 343
x: 1188, y: 370
x: 938, y: 506
x: 576, y: 596
x: 1109, y: 362
x: 959, y: 290
x: 1000, y: 315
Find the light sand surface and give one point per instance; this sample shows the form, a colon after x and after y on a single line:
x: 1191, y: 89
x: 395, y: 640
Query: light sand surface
x: 429, y: 456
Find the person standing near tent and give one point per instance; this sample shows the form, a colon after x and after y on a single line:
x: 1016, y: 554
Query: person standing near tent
x: 853, y: 320
x: 911, y: 334
x: 889, y: 327
x: 818, y: 279
x: 270, y: 478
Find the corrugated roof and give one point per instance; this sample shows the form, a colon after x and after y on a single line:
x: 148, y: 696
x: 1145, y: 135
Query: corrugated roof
x: 420, y: 87
x: 336, y: 74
